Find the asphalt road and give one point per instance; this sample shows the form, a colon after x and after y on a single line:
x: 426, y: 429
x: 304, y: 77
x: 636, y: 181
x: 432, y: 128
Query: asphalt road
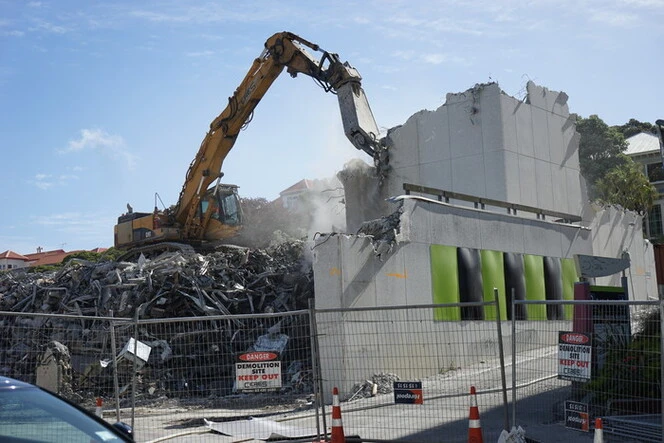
x: 443, y: 416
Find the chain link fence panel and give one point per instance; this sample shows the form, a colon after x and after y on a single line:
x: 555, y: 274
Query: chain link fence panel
x: 403, y: 375
x: 603, y: 362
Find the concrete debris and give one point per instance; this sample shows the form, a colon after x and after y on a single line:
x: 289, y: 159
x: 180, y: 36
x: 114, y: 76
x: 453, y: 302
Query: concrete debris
x: 383, y: 232
x: 382, y: 383
x: 232, y: 280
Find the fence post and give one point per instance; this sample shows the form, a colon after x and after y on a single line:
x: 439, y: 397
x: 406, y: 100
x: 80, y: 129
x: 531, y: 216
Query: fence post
x: 316, y: 370
x: 502, y: 359
x: 116, y: 383
x: 661, y: 360
x: 134, y: 372
x: 513, y: 359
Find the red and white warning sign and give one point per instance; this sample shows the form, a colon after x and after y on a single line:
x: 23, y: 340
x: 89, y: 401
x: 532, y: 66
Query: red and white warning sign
x: 258, y: 371
x: 574, y: 356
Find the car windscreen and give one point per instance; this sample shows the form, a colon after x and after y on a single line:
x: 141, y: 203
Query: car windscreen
x: 32, y: 415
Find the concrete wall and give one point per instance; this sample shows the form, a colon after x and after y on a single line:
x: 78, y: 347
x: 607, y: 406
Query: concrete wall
x: 348, y: 274
x: 615, y: 231
x: 487, y: 144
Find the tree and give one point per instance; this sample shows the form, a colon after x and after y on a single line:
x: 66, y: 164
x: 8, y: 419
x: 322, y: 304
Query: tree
x: 626, y: 185
x: 634, y: 127
x: 600, y: 147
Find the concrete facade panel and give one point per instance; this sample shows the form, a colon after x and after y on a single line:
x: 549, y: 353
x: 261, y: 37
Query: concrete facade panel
x: 571, y: 145
x: 527, y: 181
x: 401, y: 175
x: 417, y: 274
x: 468, y: 175
x: 544, y: 184
x: 391, y: 280
x: 499, y: 235
x: 574, y: 187
x: 508, y: 107
x: 560, y: 195
x: 541, y: 134
x: 512, y: 183
x: 434, y: 137
x: 539, y: 239
x: 524, y: 130
x: 495, y: 167
x: 406, y: 142
x: 557, y: 146
x: 465, y: 130
x: 552, y: 101
x: 437, y: 174
x: 328, y: 265
x: 492, y: 123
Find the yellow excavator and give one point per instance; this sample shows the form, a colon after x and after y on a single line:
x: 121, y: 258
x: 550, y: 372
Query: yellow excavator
x: 208, y: 211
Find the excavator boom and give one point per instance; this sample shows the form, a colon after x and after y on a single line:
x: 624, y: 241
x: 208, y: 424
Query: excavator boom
x: 192, y: 217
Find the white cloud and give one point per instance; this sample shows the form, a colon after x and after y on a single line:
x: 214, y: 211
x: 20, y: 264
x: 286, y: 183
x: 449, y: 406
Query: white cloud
x: 657, y: 4
x: 200, y: 54
x: 43, y: 181
x: 48, y: 181
x: 100, y: 140
x: 14, y: 33
x: 615, y: 18
x: 434, y: 59
x: 42, y: 25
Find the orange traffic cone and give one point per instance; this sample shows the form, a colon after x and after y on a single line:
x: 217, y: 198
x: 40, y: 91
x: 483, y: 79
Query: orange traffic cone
x: 337, y: 427
x: 474, y: 427
x: 99, y: 412
x: 599, y: 437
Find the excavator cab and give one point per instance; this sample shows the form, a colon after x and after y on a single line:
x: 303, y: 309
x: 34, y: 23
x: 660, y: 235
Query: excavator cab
x: 225, y: 203
x: 221, y: 212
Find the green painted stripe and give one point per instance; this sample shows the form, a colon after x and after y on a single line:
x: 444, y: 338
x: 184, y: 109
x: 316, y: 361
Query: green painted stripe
x: 534, y: 271
x: 445, y: 281
x: 493, y: 276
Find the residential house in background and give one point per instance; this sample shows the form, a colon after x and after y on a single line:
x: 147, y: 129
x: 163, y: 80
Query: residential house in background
x: 291, y: 197
x: 321, y: 199
x: 12, y: 260
x: 643, y: 148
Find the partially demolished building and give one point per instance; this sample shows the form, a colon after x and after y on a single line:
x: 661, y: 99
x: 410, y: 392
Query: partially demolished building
x: 495, y: 200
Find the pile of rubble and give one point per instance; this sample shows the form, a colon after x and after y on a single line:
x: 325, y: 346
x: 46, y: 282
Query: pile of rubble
x: 231, y: 280
x: 175, y: 284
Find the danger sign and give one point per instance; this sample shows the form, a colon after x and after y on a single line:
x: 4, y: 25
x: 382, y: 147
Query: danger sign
x: 257, y: 372
x: 574, y: 356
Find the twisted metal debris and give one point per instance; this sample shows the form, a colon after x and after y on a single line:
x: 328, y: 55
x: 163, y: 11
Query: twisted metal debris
x: 192, y: 360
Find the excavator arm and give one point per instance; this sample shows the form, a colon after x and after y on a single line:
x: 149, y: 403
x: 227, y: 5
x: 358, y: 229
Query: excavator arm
x: 282, y: 50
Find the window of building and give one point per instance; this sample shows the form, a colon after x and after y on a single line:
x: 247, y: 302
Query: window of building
x: 655, y: 172
x: 655, y: 221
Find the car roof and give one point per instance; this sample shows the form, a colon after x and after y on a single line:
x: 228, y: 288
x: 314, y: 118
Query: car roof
x: 10, y: 383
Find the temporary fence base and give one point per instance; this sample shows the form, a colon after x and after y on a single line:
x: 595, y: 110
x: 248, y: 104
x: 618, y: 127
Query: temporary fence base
x: 641, y: 427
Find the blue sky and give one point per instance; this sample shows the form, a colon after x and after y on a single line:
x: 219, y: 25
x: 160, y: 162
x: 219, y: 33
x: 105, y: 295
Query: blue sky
x: 105, y: 103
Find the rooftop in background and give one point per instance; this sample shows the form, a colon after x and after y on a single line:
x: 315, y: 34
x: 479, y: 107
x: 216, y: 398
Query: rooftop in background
x: 642, y: 143
x: 44, y: 258
x: 11, y: 255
